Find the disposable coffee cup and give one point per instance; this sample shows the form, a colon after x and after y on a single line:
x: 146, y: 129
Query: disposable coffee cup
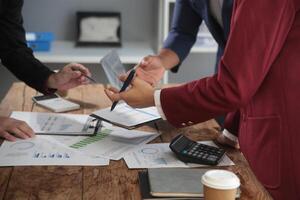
x: 220, y: 185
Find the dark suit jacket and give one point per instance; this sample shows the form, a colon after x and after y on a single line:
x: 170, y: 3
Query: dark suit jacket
x: 259, y: 75
x: 188, y: 16
x: 14, y: 53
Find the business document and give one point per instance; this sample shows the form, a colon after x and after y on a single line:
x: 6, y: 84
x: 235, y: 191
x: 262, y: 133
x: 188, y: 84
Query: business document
x: 110, y: 143
x: 44, y: 150
x: 54, y: 123
x: 125, y: 116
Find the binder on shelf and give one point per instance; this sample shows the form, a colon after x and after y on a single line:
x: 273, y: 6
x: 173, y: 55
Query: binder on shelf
x: 39, y: 36
x: 39, y: 41
x: 39, y: 46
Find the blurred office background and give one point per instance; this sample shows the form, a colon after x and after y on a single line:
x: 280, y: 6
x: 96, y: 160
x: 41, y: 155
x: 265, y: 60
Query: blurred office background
x: 144, y: 26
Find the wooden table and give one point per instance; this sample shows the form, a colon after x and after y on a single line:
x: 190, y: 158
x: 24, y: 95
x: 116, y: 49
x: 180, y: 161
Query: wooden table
x: 115, y: 181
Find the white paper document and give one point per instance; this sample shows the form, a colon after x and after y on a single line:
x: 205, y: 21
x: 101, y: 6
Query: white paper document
x: 160, y: 156
x: 130, y: 134
x: 108, y: 143
x: 128, y: 117
x: 53, y: 123
x: 44, y: 150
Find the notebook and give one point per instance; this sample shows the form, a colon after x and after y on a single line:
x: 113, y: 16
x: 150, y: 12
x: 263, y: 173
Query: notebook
x: 176, y: 182
x: 145, y: 190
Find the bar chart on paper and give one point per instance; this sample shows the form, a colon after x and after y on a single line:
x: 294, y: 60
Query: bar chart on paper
x: 109, y: 145
x: 90, y: 140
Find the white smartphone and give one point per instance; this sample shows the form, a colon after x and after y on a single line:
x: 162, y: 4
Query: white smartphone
x: 55, y: 103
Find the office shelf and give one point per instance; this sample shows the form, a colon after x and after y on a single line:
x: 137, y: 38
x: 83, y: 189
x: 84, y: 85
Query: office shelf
x: 66, y: 52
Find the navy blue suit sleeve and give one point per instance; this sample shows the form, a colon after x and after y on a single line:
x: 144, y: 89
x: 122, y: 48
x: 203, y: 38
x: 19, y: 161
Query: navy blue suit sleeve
x: 14, y: 53
x: 184, y: 29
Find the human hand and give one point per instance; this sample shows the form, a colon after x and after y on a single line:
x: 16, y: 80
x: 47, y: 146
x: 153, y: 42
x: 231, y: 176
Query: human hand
x: 140, y: 95
x: 221, y: 139
x: 11, y: 128
x: 151, y: 69
x: 171, y: 85
x: 71, y: 75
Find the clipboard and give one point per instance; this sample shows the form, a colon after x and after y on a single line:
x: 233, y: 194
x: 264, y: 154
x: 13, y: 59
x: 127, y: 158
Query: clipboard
x: 122, y: 125
x: 96, y: 127
x: 127, y: 117
x: 59, y: 124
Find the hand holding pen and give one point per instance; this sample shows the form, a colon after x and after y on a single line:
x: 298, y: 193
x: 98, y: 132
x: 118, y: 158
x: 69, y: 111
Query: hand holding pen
x: 140, y: 95
x: 68, y: 77
x: 124, y: 87
x: 86, y: 75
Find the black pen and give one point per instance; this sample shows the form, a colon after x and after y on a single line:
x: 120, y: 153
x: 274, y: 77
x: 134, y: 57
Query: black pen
x: 90, y: 78
x: 125, y: 85
x: 86, y: 76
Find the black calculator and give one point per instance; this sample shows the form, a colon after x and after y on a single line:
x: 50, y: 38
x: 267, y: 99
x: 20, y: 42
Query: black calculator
x: 190, y: 151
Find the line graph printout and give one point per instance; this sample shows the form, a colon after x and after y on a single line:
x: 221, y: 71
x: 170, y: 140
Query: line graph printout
x: 161, y: 156
x: 44, y: 150
x: 128, y: 116
x: 56, y: 123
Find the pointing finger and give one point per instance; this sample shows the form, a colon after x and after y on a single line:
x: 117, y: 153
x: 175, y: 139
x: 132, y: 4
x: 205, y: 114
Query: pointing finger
x: 113, y: 89
x: 112, y: 96
x: 123, y: 77
x: 146, y: 60
x: 27, y: 130
x: 81, y: 68
x: 8, y: 136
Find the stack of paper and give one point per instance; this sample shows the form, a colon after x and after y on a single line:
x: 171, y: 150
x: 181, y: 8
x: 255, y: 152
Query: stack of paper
x: 109, y: 142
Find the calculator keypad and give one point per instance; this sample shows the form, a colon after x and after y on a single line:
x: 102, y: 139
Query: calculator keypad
x: 204, y: 153
x: 190, y: 151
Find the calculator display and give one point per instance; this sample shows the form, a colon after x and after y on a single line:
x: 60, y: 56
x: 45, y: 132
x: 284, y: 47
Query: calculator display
x: 181, y: 143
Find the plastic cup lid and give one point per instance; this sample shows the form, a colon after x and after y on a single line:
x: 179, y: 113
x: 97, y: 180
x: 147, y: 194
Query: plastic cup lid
x: 220, y: 179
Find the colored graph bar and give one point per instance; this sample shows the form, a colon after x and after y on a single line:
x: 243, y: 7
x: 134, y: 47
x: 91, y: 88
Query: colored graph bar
x: 91, y: 139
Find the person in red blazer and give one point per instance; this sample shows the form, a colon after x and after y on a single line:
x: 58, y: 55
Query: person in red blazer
x: 259, y: 75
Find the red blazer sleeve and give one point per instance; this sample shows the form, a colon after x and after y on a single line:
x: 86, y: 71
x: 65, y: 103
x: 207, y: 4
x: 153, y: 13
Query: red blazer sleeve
x: 258, y: 31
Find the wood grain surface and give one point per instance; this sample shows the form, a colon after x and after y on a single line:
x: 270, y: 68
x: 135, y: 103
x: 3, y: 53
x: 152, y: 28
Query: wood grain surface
x: 111, y: 182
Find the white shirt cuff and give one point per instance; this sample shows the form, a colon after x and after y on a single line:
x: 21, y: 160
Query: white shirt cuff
x: 158, y: 104
x: 230, y: 136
